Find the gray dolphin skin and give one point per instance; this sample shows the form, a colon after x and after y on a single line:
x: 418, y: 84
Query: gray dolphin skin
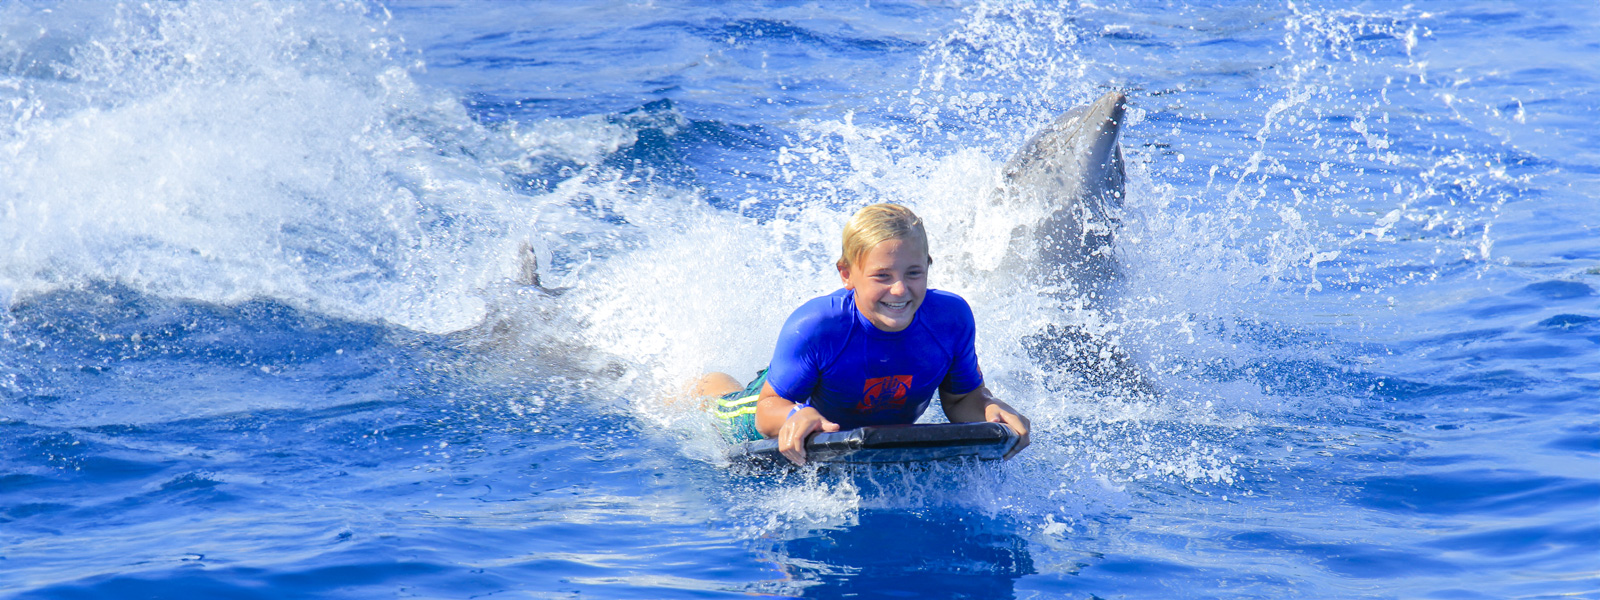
x: 1071, y: 170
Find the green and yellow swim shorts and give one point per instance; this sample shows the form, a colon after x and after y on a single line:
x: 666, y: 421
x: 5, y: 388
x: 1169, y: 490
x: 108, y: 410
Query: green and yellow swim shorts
x: 736, y: 412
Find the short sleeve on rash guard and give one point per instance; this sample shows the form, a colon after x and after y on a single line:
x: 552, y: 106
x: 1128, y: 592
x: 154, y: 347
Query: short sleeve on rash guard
x: 964, y: 375
x: 802, y: 348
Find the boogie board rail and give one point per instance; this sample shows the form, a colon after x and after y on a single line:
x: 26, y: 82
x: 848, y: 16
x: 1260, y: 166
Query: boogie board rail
x: 892, y: 444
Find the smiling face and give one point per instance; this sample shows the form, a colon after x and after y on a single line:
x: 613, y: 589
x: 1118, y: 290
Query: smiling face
x: 890, y: 280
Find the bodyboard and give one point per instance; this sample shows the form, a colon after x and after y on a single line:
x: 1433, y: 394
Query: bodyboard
x: 892, y: 444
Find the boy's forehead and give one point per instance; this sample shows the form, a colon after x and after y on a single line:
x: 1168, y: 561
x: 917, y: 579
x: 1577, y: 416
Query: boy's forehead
x: 920, y: 247
x: 913, y: 241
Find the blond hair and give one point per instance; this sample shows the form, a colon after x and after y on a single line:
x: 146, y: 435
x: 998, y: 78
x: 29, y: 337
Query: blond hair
x: 876, y: 224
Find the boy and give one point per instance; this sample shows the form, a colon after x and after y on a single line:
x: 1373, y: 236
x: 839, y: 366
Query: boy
x: 872, y: 353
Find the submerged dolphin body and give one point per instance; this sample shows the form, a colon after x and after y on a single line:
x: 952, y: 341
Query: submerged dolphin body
x: 1071, y: 173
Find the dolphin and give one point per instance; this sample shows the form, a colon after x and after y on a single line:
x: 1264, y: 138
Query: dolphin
x: 1070, y: 174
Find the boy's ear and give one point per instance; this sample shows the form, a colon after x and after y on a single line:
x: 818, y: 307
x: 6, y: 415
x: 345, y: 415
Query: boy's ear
x: 844, y: 276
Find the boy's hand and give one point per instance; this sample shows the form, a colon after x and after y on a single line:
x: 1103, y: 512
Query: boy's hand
x: 797, y: 428
x: 1000, y: 412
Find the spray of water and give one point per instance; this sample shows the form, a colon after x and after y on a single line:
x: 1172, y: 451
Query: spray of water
x: 223, y: 151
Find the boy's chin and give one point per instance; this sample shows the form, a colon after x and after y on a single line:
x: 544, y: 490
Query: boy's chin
x: 894, y: 322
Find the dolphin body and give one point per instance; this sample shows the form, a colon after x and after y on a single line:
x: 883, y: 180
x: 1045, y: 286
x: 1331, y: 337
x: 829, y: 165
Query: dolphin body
x: 1071, y: 172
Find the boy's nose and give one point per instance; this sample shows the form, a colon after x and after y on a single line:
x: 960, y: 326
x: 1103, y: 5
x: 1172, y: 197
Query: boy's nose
x: 898, y: 289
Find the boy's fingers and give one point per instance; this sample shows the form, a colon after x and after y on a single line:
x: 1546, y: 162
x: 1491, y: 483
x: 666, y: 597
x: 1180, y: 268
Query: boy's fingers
x: 1022, y: 442
x: 1019, y: 424
x: 1016, y: 423
x: 792, y: 441
x: 795, y: 456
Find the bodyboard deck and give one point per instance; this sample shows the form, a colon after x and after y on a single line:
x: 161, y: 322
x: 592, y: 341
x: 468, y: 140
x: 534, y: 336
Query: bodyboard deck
x: 892, y: 444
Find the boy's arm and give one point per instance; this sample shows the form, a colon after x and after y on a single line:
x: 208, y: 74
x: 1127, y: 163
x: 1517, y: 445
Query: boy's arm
x: 777, y: 417
x: 980, y: 405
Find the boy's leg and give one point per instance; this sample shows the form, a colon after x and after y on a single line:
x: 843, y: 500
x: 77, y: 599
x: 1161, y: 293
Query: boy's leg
x: 735, y: 408
x: 716, y: 385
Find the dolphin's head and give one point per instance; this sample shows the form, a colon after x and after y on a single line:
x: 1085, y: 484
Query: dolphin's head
x: 1074, y: 155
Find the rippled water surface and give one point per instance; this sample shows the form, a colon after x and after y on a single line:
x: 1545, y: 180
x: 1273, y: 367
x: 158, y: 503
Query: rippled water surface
x: 269, y: 329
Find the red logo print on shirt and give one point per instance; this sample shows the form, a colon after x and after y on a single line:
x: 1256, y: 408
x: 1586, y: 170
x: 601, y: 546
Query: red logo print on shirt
x: 883, y: 393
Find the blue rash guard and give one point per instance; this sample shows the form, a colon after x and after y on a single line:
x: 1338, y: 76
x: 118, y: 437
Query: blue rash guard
x: 830, y: 356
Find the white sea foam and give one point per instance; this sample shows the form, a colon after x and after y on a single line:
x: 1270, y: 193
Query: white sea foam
x: 221, y: 151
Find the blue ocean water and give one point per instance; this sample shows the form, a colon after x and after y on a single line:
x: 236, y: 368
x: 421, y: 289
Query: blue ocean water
x: 267, y: 330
